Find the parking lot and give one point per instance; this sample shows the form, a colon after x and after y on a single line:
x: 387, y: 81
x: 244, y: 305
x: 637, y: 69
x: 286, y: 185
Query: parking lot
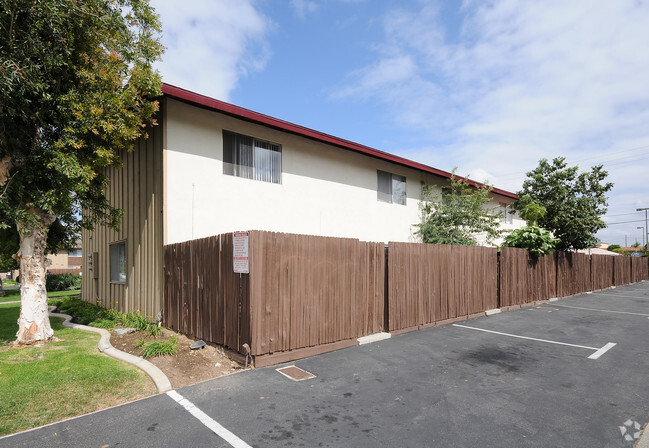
x: 573, y: 372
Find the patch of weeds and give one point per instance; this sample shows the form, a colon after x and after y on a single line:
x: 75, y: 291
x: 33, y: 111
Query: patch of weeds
x: 159, y: 348
x: 154, y: 331
x: 140, y: 343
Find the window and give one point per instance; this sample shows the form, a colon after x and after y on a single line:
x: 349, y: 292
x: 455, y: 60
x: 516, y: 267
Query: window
x: 507, y: 214
x: 251, y: 158
x: 118, y: 262
x: 74, y: 253
x: 390, y: 188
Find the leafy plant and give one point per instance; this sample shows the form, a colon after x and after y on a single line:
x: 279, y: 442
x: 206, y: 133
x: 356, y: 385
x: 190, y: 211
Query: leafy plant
x: 160, y: 348
x: 63, y: 282
x: 533, y: 238
x: 457, y: 213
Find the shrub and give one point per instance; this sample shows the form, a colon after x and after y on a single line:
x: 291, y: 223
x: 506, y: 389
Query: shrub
x: 63, y: 282
x: 535, y: 239
x: 159, y: 348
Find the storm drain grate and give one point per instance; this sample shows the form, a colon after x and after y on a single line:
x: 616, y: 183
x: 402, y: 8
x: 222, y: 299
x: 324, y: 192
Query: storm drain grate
x: 295, y: 373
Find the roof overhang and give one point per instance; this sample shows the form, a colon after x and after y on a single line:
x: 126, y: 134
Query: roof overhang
x: 275, y: 123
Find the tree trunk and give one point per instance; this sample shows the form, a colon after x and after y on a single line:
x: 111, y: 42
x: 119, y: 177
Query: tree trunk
x: 34, y: 322
x: 2, y: 290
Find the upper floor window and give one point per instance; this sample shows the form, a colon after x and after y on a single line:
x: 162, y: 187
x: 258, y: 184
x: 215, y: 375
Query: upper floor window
x: 507, y: 216
x: 248, y: 157
x: 391, y: 188
x: 74, y: 253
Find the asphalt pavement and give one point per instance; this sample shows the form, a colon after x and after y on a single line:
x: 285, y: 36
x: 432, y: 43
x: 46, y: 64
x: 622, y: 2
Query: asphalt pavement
x: 571, y: 373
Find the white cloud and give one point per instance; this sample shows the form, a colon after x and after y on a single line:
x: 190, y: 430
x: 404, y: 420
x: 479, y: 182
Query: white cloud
x: 517, y: 82
x: 303, y: 7
x: 211, y: 45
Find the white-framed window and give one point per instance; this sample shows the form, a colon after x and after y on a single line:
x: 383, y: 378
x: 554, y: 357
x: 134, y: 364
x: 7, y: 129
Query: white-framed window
x: 74, y: 253
x: 118, y: 262
x: 249, y: 157
x: 390, y: 188
x: 507, y: 216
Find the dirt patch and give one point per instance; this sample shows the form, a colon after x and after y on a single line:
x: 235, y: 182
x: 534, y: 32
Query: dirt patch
x: 188, y: 366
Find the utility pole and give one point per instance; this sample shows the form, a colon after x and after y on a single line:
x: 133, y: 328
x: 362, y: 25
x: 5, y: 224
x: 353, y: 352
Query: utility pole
x: 646, y: 225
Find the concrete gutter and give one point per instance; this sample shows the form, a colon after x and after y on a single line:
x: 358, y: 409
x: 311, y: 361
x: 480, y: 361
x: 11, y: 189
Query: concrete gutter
x: 160, y: 379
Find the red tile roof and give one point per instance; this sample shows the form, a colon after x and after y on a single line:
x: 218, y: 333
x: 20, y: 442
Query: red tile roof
x: 275, y: 123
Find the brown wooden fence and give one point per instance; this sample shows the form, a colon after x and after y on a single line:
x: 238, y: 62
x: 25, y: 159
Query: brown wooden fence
x: 524, y: 278
x: 573, y: 273
x: 308, y: 294
x: 429, y: 283
x: 602, y: 271
x: 621, y: 271
x: 639, y: 269
x: 306, y: 291
x: 203, y: 297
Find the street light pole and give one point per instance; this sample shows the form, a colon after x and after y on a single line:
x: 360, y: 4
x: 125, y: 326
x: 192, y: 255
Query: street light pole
x: 643, y: 240
x: 646, y: 227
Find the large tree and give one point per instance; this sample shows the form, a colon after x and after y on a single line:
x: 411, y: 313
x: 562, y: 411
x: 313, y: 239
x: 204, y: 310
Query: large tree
x: 76, y: 87
x: 574, y: 202
x: 457, y: 213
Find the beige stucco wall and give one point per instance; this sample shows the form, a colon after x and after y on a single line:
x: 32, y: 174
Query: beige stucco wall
x: 324, y: 191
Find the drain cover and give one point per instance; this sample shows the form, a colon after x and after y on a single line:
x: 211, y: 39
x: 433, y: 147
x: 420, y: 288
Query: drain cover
x: 295, y: 373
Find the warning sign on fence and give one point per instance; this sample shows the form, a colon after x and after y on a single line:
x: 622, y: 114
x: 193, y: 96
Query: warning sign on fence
x: 240, y: 259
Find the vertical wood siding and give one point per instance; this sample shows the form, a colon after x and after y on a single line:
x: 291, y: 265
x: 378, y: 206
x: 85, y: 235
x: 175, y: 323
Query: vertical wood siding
x: 136, y: 188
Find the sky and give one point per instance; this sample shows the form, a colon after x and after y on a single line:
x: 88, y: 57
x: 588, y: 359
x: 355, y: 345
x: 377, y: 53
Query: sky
x: 487, y: 87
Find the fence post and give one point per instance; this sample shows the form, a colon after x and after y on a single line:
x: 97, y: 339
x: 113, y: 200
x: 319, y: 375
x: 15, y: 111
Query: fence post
x: 386, y: 294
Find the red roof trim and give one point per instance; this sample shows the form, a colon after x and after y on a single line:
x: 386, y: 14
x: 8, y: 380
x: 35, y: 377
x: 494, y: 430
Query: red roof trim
x: 265, y: 120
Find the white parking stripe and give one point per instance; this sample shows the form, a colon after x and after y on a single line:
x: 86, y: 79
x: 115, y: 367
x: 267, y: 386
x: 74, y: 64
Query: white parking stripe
x: 598, y: 351
x: 596, y: 309
x: 602, y: 350
x: 208, y: 421
x: 612, y: 294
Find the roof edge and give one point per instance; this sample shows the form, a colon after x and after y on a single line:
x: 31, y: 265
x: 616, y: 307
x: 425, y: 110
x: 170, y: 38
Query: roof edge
x: 265, y: 120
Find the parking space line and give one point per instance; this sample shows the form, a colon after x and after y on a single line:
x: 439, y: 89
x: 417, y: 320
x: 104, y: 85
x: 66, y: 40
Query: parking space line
x: 598, y: 351
x: 208, y: 421
x: 607, y: 294
x: 596, y: 309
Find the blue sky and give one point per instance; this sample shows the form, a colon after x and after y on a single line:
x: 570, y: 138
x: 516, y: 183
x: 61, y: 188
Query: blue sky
x: 487, y: 87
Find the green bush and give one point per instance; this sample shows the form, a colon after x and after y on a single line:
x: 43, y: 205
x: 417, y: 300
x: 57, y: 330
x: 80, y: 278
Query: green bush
x: 536, y: 240
x: 63, y: 282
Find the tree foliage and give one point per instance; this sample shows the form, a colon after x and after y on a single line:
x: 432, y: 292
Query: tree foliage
x: 456, y: 214
x: 536, y: 240
x: 575, y: 202
x: 77, y: 87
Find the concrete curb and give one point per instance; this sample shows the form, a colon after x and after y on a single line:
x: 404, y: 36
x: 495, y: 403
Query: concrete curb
x: 160, y: 379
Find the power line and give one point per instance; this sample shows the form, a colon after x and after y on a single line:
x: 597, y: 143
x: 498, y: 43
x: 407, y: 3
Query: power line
x: 623, y: 222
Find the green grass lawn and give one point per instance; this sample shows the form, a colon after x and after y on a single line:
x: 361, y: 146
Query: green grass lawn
x: 11, y: 295
x: 44, y: 384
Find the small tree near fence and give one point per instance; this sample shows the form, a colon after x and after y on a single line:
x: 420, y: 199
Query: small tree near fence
x: 457, y: 213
